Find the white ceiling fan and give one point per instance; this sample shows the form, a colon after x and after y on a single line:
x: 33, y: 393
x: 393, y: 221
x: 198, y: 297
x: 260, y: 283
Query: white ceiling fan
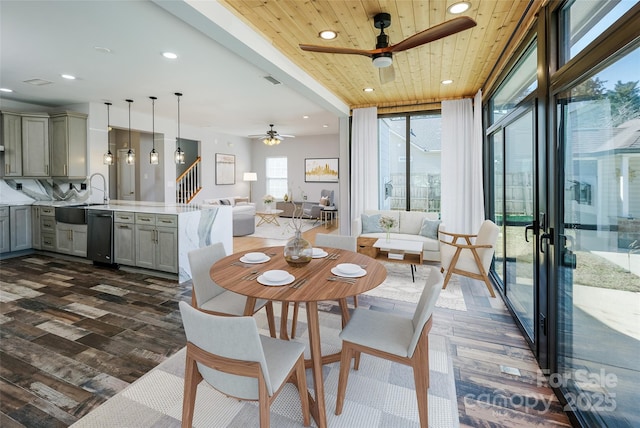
x: 271, y: 137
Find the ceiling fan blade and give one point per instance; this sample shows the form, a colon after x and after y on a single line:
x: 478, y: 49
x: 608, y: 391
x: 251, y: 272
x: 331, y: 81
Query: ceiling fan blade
x: 387, y: 74
x: 434, y: 33
x: 286, y: 136
x: 336, y: 50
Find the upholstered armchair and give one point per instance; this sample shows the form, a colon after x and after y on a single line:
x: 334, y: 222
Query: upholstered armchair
x: 312, y: 209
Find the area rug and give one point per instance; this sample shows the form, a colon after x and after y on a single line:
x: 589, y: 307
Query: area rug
x: 399, y: 286
x: 380, y: 394
x: 283, y: 231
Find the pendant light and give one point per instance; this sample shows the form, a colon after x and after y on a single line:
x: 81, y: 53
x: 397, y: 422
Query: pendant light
x: 153, y: 155
x: 179, y: 154
x: 131, y: 157
x: 107, y: 158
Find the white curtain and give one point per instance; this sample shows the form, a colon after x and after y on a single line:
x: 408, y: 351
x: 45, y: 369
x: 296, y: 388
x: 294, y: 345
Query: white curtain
x: 364, y: 160
x: 462, y: 203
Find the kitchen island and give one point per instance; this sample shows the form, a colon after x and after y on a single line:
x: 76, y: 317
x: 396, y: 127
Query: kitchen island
x: 157, y: 234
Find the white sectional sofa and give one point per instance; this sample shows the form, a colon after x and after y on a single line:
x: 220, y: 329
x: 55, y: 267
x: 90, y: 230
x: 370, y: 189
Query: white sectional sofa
x: 239, y: 204
x: 410, y: 226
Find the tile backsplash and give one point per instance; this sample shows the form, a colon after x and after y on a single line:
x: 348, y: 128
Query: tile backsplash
x: 29, y: 190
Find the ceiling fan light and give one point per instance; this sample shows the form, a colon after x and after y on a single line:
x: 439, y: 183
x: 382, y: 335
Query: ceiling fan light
x: 459, y: 7
x: 271, y: 141
x: 382, y: 61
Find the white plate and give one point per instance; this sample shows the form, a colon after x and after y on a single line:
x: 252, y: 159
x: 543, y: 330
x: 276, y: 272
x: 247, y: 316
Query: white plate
x: 348, y: 268
x: 320, y: 255
x: 317, y: 251
x: 337, y: 272
x: 244, y: 260
x: 275, y: 275
x: 288, y: 280
x: 255, y: 257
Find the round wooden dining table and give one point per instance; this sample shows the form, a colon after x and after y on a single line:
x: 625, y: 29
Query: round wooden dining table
x: 232, y: 275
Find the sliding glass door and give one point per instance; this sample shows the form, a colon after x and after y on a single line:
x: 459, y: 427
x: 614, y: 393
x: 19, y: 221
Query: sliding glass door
x: 599, y: 245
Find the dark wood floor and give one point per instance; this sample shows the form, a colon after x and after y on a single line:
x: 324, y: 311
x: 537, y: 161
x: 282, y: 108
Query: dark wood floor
x: 72, y: 335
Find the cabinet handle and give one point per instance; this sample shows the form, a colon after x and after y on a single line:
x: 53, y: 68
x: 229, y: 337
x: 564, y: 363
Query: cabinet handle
x: 123, y: 226
x: 65, y: 169
x: 46, y: 169
x: 166, y: 221
x: 124, y: 218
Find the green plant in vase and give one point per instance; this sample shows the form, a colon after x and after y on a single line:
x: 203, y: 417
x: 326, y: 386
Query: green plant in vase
x: 387, y: 223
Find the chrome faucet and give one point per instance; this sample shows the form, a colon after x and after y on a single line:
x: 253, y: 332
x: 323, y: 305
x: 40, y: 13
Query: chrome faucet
x: 105, y: 199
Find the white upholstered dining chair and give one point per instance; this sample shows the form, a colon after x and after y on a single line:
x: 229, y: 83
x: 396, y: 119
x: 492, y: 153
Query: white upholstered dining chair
x: 469, y: 255
x: 230, y: 355
x: 395, y: 338
x: 326, y: 240
x: 213, y: 299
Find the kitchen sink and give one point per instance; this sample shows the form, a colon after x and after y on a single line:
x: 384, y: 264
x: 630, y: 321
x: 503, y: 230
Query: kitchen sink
x: 72, y: 214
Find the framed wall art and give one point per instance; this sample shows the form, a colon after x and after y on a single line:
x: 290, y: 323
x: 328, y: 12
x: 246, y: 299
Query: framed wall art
x: 321, y: 170
x: 225, y: 169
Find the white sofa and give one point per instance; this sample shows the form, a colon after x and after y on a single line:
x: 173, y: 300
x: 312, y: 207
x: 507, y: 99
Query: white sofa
x: 408, y: 228
x: 239, y: 204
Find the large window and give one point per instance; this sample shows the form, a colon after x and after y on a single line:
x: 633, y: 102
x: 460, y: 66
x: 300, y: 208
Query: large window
x: 584, y: 20
x: 409, y: 148
x: 276, y: 176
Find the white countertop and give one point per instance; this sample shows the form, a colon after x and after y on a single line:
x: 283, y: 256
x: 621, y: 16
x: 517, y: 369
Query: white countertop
x: 133, y: 206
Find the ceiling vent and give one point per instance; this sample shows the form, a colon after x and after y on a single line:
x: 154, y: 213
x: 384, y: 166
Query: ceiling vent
x: 37, y: 82
x: 272, y: 80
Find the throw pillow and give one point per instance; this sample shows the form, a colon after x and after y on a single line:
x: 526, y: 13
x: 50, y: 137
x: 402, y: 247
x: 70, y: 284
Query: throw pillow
x: 430, y: 228
x: 324, y: 201
x: 371, y: 223
x: 225, y: 202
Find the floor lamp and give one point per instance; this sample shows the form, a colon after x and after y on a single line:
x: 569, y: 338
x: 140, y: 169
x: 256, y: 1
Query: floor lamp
x: 250, y: 176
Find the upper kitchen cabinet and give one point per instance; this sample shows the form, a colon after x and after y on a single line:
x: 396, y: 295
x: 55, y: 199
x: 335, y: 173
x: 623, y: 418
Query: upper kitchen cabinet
x: 68, y: 144
x: 35, y: 145
x: 12, y: 142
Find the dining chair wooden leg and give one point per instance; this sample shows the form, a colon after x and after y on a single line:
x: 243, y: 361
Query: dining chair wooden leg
x: 345, y: 366
x: 264, y: 403
x: 420, y: 365
x: 301, y: 382
x: 192, y: 378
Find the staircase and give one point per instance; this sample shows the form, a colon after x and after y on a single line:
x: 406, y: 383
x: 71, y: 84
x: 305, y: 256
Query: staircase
x: 188, y: 183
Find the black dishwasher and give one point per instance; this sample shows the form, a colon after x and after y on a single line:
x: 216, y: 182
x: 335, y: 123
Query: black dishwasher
x: 100, y: 237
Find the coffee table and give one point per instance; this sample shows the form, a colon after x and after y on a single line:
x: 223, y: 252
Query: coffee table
x: 269, y: 216
x: 400, y: 251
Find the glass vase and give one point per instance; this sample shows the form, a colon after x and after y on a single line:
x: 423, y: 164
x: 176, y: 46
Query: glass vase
x: 298, y: 251
x: 388, y: 235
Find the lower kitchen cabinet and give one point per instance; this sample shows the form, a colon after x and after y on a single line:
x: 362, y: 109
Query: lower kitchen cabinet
x: 20, y: 227
x: 5, y: 236
x: 71, y: 239
x: 157, y: 246
x: 124, y: 239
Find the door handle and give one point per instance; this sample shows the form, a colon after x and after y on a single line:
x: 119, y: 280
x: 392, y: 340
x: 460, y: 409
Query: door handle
x: 527, y: 228
x: 548, y: 237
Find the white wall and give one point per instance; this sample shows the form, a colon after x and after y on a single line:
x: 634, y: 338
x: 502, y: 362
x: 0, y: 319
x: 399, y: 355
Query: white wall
x: 296, y: 150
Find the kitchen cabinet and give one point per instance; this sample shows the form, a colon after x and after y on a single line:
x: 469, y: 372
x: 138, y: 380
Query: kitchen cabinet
x: 20, y: 227
x: 12, y: 142
x: 5, y: 238
x: 156, y: 241
x: 124, y: 238
x: 47, y: 228
x: 68, y: 144
x: 35, y: 145
x: 71, y: 239
x: 35, y: 227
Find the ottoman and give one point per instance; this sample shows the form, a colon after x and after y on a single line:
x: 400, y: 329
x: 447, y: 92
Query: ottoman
x: 243, y: 224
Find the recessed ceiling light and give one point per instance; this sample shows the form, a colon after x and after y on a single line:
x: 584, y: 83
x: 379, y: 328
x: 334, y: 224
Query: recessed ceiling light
x: 447, y: 82
x: 325, y: 126
x: 68, y: 77
x: 305, y: 117
x: 368, y: 89
x: 169, y: 55
x: 460, y: 7
x: 6, y: 90
x: 328, y: 34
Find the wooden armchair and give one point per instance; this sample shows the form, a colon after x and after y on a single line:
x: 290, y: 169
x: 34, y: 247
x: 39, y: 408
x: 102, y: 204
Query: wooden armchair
x: 471, y: 258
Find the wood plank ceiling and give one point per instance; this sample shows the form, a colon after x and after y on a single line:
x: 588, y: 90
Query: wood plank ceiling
x: 467, y: 58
